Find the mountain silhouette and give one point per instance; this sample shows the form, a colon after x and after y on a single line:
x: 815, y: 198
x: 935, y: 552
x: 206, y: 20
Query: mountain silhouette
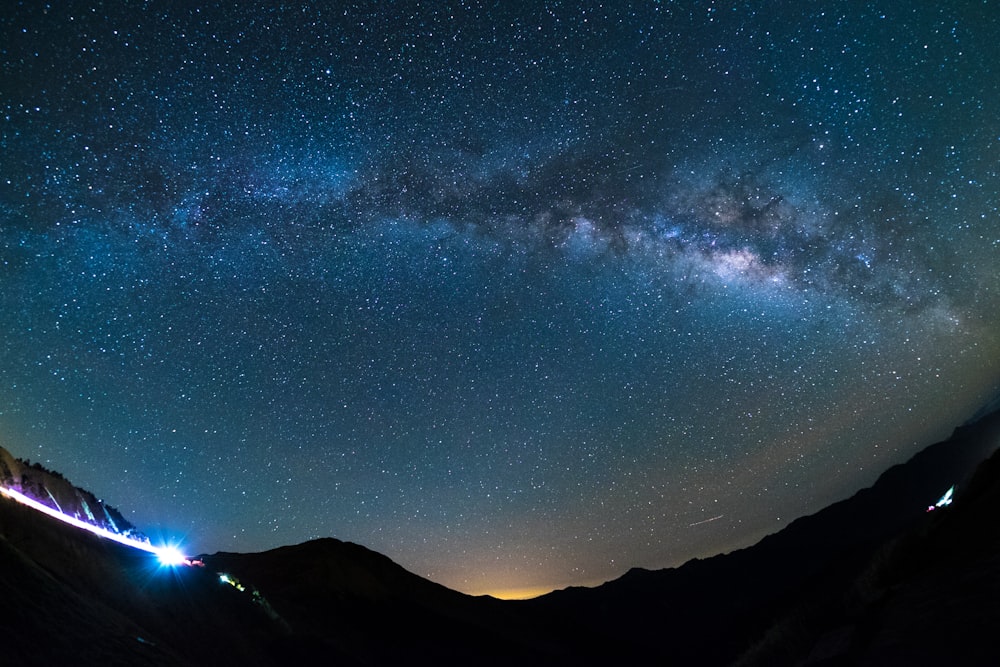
x: 709, y: 611
x: 874, y: 579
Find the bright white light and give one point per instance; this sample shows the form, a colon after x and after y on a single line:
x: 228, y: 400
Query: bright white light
x: 171, y: 556
x: 167, y: 555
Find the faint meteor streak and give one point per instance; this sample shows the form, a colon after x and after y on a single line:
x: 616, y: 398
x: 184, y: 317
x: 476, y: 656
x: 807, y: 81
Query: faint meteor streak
x: 167, y: 555
x: 698, y: 523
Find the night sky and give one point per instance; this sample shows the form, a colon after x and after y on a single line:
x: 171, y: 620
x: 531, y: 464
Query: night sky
x: 519, y: 297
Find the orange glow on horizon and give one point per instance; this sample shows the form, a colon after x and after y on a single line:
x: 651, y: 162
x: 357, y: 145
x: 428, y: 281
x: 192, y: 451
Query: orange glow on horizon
x: 518, y: 593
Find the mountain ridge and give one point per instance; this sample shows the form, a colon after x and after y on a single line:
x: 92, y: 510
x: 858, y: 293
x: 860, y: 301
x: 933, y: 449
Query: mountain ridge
x: 828, y: 547
x: 329, y: 600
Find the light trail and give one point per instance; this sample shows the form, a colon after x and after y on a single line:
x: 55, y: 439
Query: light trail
x: 698, y: 523
x: 167, y: 555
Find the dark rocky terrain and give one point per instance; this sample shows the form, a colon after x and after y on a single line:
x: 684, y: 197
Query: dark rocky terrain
x: 871, y: 580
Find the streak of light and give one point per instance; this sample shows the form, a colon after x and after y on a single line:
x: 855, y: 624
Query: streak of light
x: 165, y: 554
x: 698, y: 523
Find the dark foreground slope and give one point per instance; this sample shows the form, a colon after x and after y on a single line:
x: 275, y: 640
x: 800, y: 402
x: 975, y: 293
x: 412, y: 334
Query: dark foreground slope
x: 69, y: 597
x: 928, y: 597
x: 708, y: 612
x: 870, y: 580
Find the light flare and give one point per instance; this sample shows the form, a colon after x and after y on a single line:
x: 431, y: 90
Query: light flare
x: 168, y: 555
x: 171, y: 556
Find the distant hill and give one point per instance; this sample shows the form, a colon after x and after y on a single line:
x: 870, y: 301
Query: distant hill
x: 342, y: 599
x: 870, y: 580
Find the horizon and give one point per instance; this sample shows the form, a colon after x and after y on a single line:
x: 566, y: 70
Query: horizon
x: 173, y: 553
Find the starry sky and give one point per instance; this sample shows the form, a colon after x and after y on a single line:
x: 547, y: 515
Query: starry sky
x: 518, y: 294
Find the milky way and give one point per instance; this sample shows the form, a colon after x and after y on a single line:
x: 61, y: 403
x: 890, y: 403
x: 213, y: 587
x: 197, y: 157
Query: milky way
x: 521, y: 298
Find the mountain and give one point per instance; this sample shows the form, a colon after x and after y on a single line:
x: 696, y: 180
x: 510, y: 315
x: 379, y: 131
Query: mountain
x: 872, y: 580
x: 71, y: 597
x: 341, y: 598
x: 930, y: 596
x: 56, y: 492
x: 708, y: 611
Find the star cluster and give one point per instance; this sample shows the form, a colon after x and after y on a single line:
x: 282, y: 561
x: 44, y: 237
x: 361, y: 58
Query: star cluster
x: 519, y: 297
